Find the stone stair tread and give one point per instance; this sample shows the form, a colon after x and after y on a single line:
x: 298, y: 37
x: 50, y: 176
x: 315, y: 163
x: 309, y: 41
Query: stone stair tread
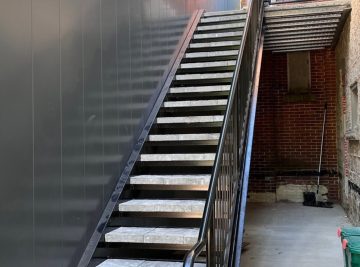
x: 121, y: 263
x: 211, y: 64
x: 224, y: 13
x: 194, y: 179
x: 221, y: 26
x: 215, y: 44
x: 217, y: 35
x: 153, y: 235
x: 183, y: 137
x: 199, y: 89
x: 220, y: 19
x: 177, y: 157
x: 161, y: 205
x: 204, y: 76
x: 143, y: 263
x: 190, y: 119
x: 212, y: 54
x: 195, y: 103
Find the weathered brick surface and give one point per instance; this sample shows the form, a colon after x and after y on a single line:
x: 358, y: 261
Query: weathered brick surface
x: 348, y: 66
x: 288, y: 133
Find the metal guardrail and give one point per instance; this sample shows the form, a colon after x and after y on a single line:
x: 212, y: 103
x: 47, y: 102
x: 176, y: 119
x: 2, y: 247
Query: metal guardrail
x: 226, y: 200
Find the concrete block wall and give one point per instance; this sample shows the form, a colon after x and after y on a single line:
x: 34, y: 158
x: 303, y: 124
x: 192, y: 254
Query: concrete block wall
x: 348, y: 72
x: 288, y: 130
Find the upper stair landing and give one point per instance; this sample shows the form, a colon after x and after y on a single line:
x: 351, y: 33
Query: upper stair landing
x: 304, y: 26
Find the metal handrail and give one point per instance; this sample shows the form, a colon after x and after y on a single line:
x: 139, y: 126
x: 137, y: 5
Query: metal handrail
x: 234, y: 107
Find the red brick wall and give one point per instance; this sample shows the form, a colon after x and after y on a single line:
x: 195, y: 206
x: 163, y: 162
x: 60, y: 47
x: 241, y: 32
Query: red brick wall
x: 288, y: 132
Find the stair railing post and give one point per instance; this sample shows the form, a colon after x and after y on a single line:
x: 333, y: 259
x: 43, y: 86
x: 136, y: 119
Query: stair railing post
x: 210, y: 251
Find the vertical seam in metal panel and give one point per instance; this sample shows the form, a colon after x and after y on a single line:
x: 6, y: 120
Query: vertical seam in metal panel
x: 102, y: 99
x: 130, y: 68
x: 33, y: 130
x: 117, y: 69
x: 83, y: 97
x: 61, y: 132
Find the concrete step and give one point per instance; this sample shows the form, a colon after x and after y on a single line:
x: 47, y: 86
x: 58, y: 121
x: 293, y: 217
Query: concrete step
x: 201, y: 36
x: 183, y: 137
x: 237, y: 25
x: 161, y: 205
x: 215, y: 44
x: 219, y: 19
x: 204, y: 76
x: 224, y: 13
x: 193, y: 179
x: 190, y: 119
x: 213, y: 64
x: 143, y: 263
x: 199, y: 89
x: 177, y: 157
x: 212, y: 54
x: 195, y: 103
x: 149, y: 235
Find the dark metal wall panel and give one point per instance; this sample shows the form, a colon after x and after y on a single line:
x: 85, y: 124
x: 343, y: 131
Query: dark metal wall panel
x: 16, y: 134
x: 75, y: 207
x: 76, y: 81
x: 47, y: 191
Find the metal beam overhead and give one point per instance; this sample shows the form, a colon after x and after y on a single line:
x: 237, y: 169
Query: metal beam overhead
x: 304, y: 26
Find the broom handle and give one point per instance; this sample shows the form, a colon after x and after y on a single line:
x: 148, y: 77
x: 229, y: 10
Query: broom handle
x: 321, y: 148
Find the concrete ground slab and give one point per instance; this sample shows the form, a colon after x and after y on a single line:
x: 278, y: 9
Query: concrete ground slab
x: 289, y: 234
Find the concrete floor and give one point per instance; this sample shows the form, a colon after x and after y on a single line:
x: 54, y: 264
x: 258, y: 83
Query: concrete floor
x: 291, y: 235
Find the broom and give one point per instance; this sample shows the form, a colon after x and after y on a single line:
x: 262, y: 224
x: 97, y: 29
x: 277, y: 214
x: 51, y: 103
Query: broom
x: 310, y: 198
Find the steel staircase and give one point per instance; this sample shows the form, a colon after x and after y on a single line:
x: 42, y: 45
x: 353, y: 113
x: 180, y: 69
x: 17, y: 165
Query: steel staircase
x: 157, y: 219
